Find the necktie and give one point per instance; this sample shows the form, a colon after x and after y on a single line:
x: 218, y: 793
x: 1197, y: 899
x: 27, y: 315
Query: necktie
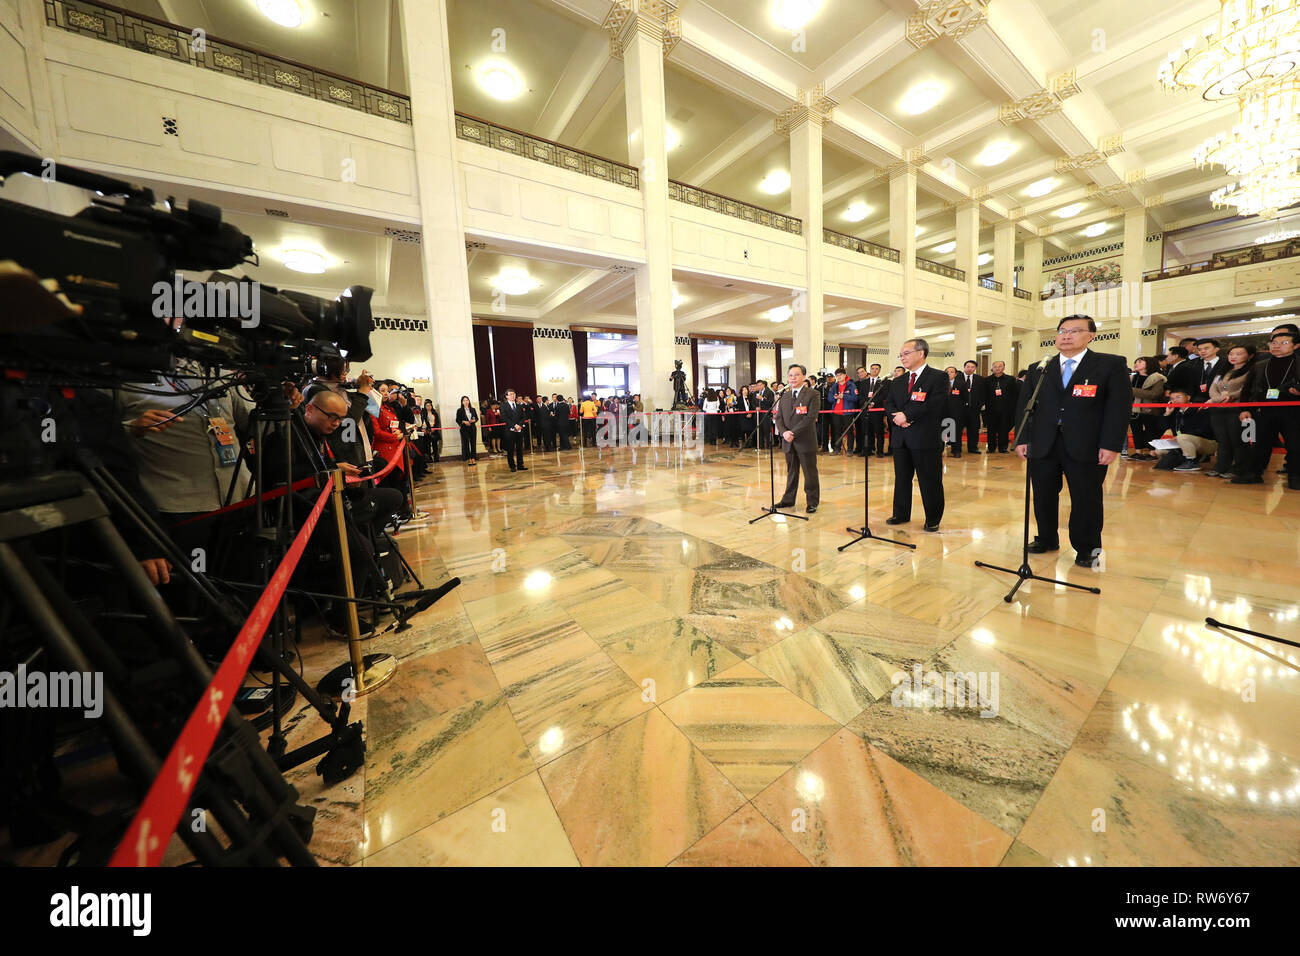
x: 911, y: 384
x: 1067, y: 369
x: 968, y: 382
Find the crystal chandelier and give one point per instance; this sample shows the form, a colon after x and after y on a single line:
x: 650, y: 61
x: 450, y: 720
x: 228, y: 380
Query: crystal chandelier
x: 1254, y: 46
x: 1267, y: 133
x: 1262, y: 192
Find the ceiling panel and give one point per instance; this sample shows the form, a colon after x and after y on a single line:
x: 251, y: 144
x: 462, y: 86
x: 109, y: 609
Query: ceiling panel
x: 550, y: 276
x: 741, y: 179
x: 961, y: 95
x: 702, y: 115
x: 537, y: 42
x: 835, y: 24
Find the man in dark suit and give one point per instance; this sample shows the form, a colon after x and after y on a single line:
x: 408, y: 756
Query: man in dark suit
x: 514, y: 416
x: 872, y: 390
x: 1181, y: 374
x: 544, y: 415
x: 1078, y: 430
x: 1000, y: 391
x: 976, y: 399
x: 560, y: 418
x: 796, y: 422
x: 763, y: 398
x: 1210, y: 367
x: 956, y: 411
x: 917, y: 404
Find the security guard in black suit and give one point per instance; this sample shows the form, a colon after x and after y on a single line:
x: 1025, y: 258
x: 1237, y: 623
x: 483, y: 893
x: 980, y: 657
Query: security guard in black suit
x: 917, y: 404
x: 1079, y: 427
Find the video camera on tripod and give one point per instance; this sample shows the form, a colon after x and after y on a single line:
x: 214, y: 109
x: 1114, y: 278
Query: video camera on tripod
x: 120, y: 262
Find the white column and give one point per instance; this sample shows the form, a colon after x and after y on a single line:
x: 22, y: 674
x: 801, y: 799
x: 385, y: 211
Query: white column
x: 1031, y: 280
x: 31, y: 14
x: 1004, y: 257
x: 442, y: 246
x: 968, y: 250
x: 643, y: 80
x: 1133, y: 304
x: 902, y: 236
x: 1002, y: 348
x: 806, y: 204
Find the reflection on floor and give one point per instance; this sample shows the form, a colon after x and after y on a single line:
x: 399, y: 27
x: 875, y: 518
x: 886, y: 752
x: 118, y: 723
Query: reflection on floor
x: 631, y: 673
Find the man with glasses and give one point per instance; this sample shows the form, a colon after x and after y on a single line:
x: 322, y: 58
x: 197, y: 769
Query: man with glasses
x: 915, y: 405
x: 795, y: 420
x: 1078, y: 430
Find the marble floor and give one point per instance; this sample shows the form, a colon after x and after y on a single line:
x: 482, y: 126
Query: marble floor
x: 633, y: 674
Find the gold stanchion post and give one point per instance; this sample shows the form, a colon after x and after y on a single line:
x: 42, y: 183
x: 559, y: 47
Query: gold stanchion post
x: 373, y: 670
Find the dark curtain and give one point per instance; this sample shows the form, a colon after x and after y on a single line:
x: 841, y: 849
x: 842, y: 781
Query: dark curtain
x: 580, y: 361
x: 780, y: 372
x: 753, y: 359
x: 483, y: 361
x: 512, y: 349
x: 693, y: 388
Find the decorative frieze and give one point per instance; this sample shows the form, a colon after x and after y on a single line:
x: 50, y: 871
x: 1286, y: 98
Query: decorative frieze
x: 652, y: 18
x: 1107, y: 147
x: 812, y: 106
x: 945, y: 18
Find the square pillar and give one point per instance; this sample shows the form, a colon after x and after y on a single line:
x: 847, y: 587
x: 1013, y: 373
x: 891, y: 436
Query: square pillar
x: 902, y: 236
x: 806, y: 204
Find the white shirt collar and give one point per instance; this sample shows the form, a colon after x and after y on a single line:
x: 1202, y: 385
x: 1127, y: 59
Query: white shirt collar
x: 1077, y: 359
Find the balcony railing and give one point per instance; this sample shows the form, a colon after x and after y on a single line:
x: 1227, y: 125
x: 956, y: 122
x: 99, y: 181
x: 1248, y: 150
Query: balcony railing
x: 859, y: 245
x: 1230, y: 258
x: 135, y: 31
x: 939, y: 269
x: 988, y: 282
x: 508, y: 140
x: 1022, y: 294
x: 695, y: 196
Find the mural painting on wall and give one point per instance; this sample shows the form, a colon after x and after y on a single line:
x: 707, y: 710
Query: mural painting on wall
x: 1100, y: 274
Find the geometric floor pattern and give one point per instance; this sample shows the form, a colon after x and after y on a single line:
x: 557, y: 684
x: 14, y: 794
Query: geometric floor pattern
x: 633, y: 674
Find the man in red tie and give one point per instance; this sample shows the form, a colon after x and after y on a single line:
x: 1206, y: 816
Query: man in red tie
x: 915, y: 405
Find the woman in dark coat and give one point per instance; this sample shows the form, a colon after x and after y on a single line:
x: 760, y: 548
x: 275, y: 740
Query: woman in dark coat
x: 467, y: 419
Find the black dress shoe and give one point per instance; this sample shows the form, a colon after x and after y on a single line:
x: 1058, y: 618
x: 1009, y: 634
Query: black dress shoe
x: 1039, y: 546
x: 512, y: 468
x: 895, y: 520
x: 880, y: 454
x: 784, y: 504
x: 521, y: 468
x: 1082, y: 562
x: 812, y: 509
x: 932, y: 527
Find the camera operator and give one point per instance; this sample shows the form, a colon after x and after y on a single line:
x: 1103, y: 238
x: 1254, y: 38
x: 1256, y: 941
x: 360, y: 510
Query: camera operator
x: 348, y: 444
x: 187, y: 460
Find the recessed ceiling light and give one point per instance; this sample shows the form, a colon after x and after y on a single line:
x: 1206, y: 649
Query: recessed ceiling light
x: 1065, y: 212
x: 795, y: 14
x: 285, y: 13
x: 777, y: 181
x: 514, y: 282
x: 781, y: 313
x: 857, y: 212
x: 500, y: 81
x: 672, y: 138
x: 1040, y: 188
x: 303, y: 260
x: 1095, y: 230
x: 678, y: 298
x: 984, y: 259
x: 921, y: 98
x: 946, y: 248
x: 859, y: 325
x: 1267, y: 303
x: 920, y: 229
x: 995, y: 153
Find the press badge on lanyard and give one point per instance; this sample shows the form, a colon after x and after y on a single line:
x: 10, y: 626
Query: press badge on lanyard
x: 223, y: 438
x: 1273, y: 394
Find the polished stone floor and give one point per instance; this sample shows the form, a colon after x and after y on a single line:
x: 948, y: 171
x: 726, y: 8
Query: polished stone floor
x: 633, y: 674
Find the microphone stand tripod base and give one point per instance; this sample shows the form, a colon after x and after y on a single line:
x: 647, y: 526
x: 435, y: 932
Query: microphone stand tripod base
x: 1026, y: 573
x: 865, y: 532
x: 769, y: 512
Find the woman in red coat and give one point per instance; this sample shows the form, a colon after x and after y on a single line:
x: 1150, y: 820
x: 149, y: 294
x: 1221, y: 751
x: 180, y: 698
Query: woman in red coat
x: 388, y: 437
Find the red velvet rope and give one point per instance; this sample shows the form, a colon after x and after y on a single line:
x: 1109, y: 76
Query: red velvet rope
x: 147, y: 837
